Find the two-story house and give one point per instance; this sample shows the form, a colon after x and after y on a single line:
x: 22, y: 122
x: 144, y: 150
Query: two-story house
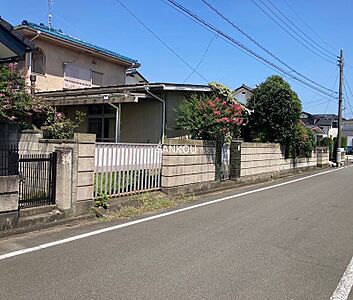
x: 119, y: 103
x: 328, y: 123
x: 61, y: 61
x: 243, y: 93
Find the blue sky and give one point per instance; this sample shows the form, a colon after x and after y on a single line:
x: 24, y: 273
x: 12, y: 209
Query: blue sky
x: 107, y: 24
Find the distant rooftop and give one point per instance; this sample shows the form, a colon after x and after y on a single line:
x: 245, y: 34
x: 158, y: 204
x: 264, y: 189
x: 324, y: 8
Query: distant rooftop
x: 326, y: 116
x: 57, y: 33
x: 244, y: 86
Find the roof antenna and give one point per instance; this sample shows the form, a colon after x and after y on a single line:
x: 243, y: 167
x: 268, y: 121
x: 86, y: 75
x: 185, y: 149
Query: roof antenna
x: 50, y: 4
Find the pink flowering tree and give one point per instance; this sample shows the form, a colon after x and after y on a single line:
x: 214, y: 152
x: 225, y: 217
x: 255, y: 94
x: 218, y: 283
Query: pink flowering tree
x: 16, y: 104
x: 218, y: 116
x: 58, y: 126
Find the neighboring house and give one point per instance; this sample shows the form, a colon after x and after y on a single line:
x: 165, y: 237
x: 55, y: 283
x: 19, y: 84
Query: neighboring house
x: 134, y: 77
x: 308, y: 120
x: 140, y: 113
x: 61, y: 61
x: 13, y: 46
x: 243, y: 93
x: 347, y: 130
x: 328, y: 123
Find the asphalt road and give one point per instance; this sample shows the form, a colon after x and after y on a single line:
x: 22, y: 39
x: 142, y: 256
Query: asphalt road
x: 290, y: 242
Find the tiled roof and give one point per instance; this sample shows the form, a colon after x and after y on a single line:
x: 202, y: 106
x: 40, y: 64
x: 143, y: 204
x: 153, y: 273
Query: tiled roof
x: 57, y: 33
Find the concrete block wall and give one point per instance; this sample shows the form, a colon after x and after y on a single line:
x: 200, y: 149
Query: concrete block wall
x: 75, y: 167
x: 263, y: 158
x: 84, y: 172
x: 187, y: 165
x: 323, y: 156
x: 8, y: 201
x: 259, y: 158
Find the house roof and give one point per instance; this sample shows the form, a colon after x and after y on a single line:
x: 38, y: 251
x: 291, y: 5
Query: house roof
x: 326, y: 116
x: 324, y: 122
x: 13, y: 45
x: 115, y: 94
x: 243, y: 86
x: 308, y: 114
x: 58, y: 34
x: 134, y: 73
x: 156, y: 86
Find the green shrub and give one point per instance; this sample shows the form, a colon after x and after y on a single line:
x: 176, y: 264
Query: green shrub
x: 58, y: 126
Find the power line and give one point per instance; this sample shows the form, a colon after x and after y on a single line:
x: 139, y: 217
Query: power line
x: 289, y: 33
x: 328, y: 79
x: 348, y: 105
x: 307, y: 24
x: 206, y: 2
x: 159, y: 39
x: 239, y: 45
x: 333, y: 88
x: 302, y: 32
x: 349, y: 88
x: 202, y: 58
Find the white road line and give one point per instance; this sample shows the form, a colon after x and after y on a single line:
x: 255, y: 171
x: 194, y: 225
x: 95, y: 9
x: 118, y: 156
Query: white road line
x: 162, y: 215
x: 345, y: 285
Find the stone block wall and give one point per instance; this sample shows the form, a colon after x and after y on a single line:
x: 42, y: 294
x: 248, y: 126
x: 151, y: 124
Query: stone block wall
x: 187, y: 165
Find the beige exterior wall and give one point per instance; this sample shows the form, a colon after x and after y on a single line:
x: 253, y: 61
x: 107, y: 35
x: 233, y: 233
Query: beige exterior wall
x: 173, y: 100
x: 141, y: 122
x: 57, y: 55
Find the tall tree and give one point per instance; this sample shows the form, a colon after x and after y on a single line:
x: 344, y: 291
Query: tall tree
x: 276, y: 114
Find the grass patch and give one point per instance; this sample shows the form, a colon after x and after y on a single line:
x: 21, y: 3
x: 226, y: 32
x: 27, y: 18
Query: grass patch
x: 149, y: 202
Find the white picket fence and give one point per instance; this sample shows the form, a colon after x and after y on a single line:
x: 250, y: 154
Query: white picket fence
x: 123, y: 169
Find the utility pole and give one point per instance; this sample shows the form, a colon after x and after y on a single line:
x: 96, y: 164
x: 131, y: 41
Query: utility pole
x: 340, y: 100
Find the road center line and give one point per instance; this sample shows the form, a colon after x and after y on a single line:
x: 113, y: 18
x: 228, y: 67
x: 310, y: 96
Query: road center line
x: 162, y: 215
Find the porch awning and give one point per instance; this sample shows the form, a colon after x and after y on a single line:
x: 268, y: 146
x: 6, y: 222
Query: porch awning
x: 13, y: 46
x: 85, y: 99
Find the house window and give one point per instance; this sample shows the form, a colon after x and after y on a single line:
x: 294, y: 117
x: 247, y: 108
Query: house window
x: 101, y: 121
x: 97, y: 78
x: 38, y: 61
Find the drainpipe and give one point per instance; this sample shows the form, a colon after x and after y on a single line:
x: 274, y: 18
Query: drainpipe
x: 163, y: 108
x: 37, y: 35
x: 30, y: 80
x: 117, y: 120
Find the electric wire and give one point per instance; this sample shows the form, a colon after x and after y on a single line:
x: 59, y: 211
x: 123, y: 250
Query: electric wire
x: 219, y: 13
x: 289, y: 33
x: 350, y: 91
x: 244, y: 48
x: 301, y: 31
x: 333, y: 88
x: 308, y: 25
x: 202, y: 58
x: 159, y: 39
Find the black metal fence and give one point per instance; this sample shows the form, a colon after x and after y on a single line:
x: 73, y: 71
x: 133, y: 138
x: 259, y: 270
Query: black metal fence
x: 8, y: 160
x: 37, y: 179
